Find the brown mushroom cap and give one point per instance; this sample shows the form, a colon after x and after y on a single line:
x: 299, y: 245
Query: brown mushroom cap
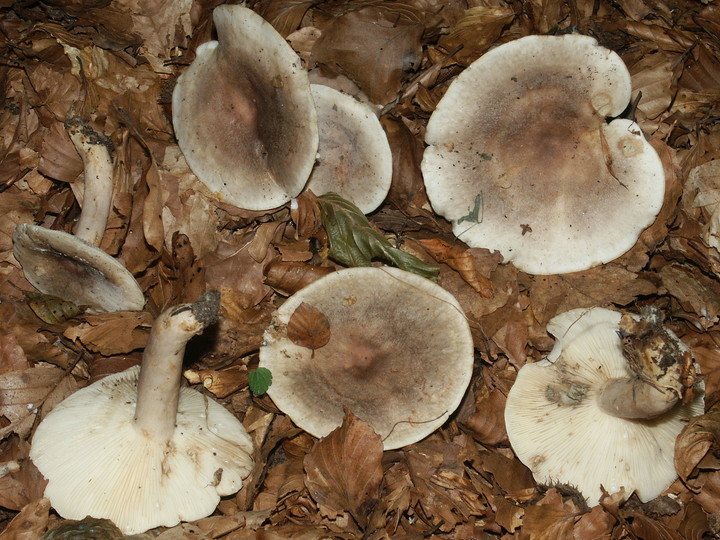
x: 400, y: 355
x: 62, y: 265
x: 522, y: 160
x: 558, y: 428
x: 243, y: 113
x: 354, y: 157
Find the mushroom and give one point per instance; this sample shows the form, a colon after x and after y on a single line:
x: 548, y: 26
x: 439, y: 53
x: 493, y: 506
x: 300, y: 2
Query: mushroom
x: 399, y: 354
x: 138, y: 449
x: 71, y: 267
x: 243, y: 113
x: 603, y: 410
x: 522, y: 160
x: 354, y: 158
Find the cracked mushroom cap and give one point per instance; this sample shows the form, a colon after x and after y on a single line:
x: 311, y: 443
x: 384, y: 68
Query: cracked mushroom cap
x: 63, y: 265
x: 399, y: 355
x: 98, y: 462
x: 354, y: 158
x: 558, y: 430
x: 243, y: 114
x: 522, y: 160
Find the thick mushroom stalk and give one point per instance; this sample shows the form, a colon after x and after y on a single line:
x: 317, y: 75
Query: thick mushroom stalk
x: 160, y: 374
x: 95, y: 153
x: 662, y: 367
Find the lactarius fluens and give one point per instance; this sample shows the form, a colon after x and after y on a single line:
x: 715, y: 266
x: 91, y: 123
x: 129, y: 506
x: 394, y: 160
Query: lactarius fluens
x: 521, y: 157
x: 73, y: 267
x: 604, y: 409
x: 138, y: 449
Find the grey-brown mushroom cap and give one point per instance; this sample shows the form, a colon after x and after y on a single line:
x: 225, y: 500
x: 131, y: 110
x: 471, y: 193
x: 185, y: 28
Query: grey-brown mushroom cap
x: 99, y: 463
x: 522, y: 160
x: 62, y: 265
x: 354, y: 157
x: 400, y: 355
x: 243, y: 113
x: 557, y: 429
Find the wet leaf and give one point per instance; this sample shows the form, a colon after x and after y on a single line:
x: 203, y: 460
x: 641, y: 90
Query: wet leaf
x: 344, y: 470
x: 308, y: 327
x: 354, y: 241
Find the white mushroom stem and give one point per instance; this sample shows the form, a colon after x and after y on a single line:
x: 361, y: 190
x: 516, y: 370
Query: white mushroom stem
x: 161, y: 370
x: 97, y: 195
x: 662, y: 369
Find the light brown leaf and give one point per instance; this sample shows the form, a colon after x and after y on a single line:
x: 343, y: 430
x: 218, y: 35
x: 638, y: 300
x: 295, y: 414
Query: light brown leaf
x: 30, y: 523
x: 308, y: 327
x: 344, y: 470
x: 288, y: 277
x: 695, y: 441
x: 113, y: 333
x: 462, y: 261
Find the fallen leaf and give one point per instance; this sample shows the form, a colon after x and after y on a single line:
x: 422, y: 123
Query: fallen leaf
x: 308, y: 327
x: 30, y: 523
x: 694, y: 442
x: 344, y: 470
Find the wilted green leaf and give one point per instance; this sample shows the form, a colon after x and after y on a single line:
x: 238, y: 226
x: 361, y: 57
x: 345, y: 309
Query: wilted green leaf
x: 354, y: 242
x: 51, y: 309
x: 89, y: 528
x: 259, y: 380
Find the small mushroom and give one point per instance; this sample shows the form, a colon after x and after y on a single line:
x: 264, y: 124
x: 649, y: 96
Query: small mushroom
x: 604, y: 409
x: 354, y: 158
x: 243, y: 113
x: 138, y: 449
x: 71, y: 267
x: 522, y: 160
x: 399, y: 354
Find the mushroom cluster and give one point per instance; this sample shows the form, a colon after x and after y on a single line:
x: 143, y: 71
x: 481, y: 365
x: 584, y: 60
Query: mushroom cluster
x: 399, y: 354
x: 138, y: 449
x: 250, y: 126
x: 522, y: 160
x: 73, y: 267
x: 602, y: 412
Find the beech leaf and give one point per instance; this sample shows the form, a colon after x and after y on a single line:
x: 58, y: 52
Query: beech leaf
x: 308, y: 327
x: 355, y: 242
x: 344, y: 470
x: 695, y: 441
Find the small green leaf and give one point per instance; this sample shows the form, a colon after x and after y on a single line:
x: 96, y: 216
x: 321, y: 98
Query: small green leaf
x: 259, y: 380
x: 354, y: 242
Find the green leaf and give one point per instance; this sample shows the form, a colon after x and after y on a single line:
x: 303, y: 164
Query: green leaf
x: 354, y: 242
x: 259, y: 380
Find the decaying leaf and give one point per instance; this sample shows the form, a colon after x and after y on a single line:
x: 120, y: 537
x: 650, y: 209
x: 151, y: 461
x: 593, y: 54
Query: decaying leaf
x: 308, y: 327
x: 30, y: 523
x: 695, y: 441
x: 344, y: 470
x: 354, y: 241
x: 462, y: 261
x: 51, y: 309
x: 113, y: 333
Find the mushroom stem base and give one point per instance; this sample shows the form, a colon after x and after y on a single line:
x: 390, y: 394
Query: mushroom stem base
x: 633, y: 398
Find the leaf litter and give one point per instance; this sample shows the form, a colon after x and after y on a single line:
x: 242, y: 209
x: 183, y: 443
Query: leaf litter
x: 115, y: 63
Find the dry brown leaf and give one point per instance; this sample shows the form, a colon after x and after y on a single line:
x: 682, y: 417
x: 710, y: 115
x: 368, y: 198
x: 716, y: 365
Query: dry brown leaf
x: 461, y: 260
x: 698, y: 294
x: 30, y: 523
x: 344, y: 470
x: 12, y: 356
x: 695, y: 441
x: 549, y: 519
x: 473, y: 35
x: 374, y: 46
x: 25, y: 485
x: 112, y: 333
x: 289, y: 277
x: 650, y: 529
x: 221, y: 383
x: 308, y: 327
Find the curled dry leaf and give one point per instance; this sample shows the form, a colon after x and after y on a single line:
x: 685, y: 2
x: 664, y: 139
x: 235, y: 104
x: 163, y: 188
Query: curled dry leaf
x: 462, y: 261
x: 288, y: 277
x: 695, y: 441
x: 344, y: 470
x: 308, y: 327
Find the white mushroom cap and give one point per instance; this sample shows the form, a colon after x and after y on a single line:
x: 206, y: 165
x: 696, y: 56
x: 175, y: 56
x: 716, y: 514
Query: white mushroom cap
x: 243, y: 113
x: 98, y: 463
x: 400, y: 355
x: 521, y: 158
x: 557, y: 429
x: 62, y: 265
x: 354, y: 160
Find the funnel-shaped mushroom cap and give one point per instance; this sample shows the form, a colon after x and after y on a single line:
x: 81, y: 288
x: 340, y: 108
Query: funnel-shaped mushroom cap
x: 399, y: 355
x: 558, y: 430
x: 62, y: 265
x: 521, y: 158
x: 354, y: 158
x: 243, y: 113
x: 99, y: 463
